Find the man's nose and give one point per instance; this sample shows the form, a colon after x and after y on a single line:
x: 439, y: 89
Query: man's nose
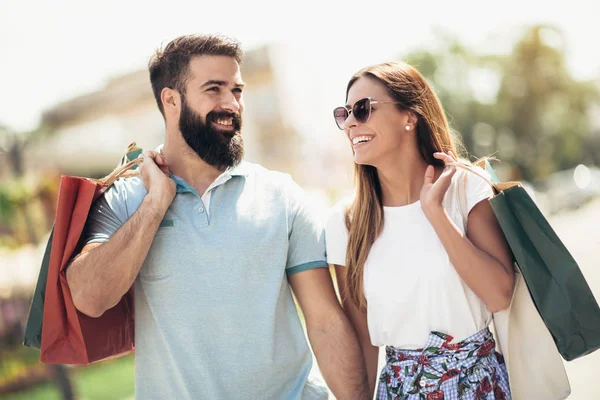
x: 231, y: 103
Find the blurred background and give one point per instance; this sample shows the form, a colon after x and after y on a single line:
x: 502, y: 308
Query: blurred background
x: 519, y: 80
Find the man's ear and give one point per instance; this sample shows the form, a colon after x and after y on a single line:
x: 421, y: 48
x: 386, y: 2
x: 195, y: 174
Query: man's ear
x: 171, y: 100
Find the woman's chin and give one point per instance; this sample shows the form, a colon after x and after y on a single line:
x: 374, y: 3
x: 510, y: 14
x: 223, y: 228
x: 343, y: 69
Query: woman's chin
x: 361, y: 158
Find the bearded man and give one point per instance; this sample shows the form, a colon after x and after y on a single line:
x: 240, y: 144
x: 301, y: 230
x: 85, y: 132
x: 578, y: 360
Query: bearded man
x: 214, y: 247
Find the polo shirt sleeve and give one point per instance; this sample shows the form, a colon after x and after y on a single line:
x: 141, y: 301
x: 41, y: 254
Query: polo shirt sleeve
x: 110, y: 211
x: 306, y: 249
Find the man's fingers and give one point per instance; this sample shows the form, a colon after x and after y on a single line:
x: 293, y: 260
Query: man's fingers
x: 155, y: 158
x: 149, y: 154
x: 158, y: 158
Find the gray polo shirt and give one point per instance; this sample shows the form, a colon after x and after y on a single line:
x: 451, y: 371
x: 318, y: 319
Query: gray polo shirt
x: 214, y: 314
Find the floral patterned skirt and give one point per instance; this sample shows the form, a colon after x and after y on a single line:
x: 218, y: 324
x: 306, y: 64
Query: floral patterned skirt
x: 470, y: 369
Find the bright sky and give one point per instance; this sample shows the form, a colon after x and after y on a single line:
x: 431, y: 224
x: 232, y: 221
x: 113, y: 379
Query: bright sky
x: 53, y: 50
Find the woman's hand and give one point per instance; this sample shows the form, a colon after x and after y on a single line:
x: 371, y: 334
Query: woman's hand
x: 432, y: 193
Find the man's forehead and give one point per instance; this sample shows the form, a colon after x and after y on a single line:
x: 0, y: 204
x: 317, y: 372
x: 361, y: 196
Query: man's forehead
x: 218, y: 68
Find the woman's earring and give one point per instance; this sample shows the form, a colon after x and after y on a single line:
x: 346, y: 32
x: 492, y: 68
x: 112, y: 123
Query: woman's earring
x: 407, y: 127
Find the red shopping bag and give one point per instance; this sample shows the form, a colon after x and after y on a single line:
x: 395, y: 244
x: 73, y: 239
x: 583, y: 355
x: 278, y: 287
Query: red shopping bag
x: 68, y: 336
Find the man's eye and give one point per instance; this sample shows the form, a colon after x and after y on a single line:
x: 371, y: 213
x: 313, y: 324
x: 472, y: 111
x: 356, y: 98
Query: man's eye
x: 214, y: 89
x: 237, y: 90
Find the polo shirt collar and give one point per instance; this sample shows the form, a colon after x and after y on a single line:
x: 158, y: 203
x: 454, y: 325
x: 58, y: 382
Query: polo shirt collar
x: 239, y: 170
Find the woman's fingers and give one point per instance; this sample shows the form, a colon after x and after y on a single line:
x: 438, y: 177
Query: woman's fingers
x: 429, y: 174
x: 446, y: 157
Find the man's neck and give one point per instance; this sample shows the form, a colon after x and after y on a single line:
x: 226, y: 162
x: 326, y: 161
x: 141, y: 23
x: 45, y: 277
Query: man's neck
x: 187, y: 165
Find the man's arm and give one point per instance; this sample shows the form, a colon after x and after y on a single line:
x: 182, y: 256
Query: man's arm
x: 103, y: 272
x: 359, y: 321
x: 331, y: 335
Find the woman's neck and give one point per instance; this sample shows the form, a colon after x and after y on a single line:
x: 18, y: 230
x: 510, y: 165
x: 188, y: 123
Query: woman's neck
x: 401, y: 179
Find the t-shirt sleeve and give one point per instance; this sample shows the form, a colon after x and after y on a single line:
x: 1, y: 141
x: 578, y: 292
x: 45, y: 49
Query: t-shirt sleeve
x: 336, y: 235
x: 110, y: 211
x: 306, y: 236
x: 477, y: 189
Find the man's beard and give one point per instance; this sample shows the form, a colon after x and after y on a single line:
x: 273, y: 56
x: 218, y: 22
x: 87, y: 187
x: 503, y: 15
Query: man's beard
x: 220, y: 148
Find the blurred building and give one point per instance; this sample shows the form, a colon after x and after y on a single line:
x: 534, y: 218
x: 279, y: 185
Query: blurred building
x: 287, y: 127
x: 87, y: 136
x: 89, y: 133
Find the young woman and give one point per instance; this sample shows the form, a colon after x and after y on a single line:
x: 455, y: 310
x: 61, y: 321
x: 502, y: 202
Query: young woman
x: 413, y: 276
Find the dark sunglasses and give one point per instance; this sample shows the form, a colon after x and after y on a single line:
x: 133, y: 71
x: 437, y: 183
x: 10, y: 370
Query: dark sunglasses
x: 361, y: 110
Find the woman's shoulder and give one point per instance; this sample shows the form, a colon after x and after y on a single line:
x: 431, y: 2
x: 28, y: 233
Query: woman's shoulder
x: 473, y: 177
x: 336, y: 217
x: 477, y: 181
x: 469, y: 188
x: 336, y: 233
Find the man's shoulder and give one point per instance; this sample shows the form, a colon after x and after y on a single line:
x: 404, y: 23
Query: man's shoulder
x: 126, y: 190
x: 132, y: 185
x: 263, y: 175
x: 117, y: 203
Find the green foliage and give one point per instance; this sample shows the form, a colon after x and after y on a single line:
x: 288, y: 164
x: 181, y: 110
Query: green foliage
x: 13, y: 194
x: 111, y: 379
x: 523, y: 107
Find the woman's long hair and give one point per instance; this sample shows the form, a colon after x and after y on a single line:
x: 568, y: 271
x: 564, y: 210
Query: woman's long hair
x: 364, y: 217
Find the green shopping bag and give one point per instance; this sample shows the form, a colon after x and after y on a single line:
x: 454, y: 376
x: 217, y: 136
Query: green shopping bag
x: 557, y: 286
x: 33, y: 329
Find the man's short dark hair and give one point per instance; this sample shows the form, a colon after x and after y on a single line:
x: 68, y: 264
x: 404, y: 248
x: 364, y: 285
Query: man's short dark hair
x: 169, y: 67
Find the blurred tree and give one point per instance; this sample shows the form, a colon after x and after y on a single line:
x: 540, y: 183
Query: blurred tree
x: 15, y: 196
x: 548, y: 109
x: 16, y: 192
x: 525, y: 107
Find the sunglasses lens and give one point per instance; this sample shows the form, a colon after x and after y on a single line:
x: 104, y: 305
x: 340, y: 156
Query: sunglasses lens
x: 362, y: 110
x: 341, y: 115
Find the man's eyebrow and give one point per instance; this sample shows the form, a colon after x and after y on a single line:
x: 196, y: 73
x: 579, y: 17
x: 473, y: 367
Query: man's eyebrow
x: 221, y: 83
x: 214, y: 82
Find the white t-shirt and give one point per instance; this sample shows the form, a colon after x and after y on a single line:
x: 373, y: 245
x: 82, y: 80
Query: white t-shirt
x: 410, y: 284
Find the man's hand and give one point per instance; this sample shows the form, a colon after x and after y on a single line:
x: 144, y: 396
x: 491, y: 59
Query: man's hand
x: 155, y: 175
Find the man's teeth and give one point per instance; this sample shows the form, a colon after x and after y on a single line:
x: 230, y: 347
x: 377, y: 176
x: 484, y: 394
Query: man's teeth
x: 224, y: 121
x: 361, y: 139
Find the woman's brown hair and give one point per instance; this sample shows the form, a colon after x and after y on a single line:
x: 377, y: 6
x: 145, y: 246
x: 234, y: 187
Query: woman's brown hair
x: 364, y: 217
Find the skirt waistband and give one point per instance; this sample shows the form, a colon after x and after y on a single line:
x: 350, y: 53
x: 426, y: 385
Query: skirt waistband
x: 438, y: 344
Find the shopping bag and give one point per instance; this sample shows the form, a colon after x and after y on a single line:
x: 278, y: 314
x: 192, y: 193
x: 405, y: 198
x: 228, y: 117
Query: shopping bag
x: 63, y: 334
x: 557, y: 287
